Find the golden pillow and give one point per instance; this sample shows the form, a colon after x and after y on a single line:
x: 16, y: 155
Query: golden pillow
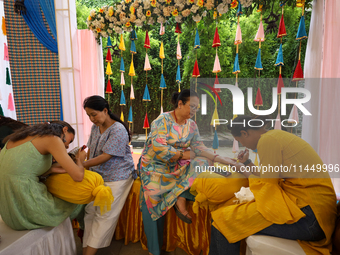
x: 89, y: 189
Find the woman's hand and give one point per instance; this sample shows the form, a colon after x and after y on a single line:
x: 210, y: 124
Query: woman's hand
x: 81, y: 155
x: 243, y: 156
x: 225, y: 160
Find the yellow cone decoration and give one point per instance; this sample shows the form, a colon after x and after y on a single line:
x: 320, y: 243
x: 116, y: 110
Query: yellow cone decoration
x: 132, y: 69
x: 161, y: 51
x: 108, y: 69
x: 122, y: 116
x: 215, y: 117
x: 121, y: 43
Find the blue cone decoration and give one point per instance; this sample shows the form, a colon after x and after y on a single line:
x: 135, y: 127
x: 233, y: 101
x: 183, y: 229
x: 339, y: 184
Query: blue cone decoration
x: 162, y: 85
x: 215, y: 141
x: 122, y: 99
x: 133, y: 35
x: 133, y: 47
x: 197, y: 40
x: 239, y: 9
x: 130, y: 115
x: 178, y: 75
x: 122, y: 68
x: 146, y: 95
x: 109, y: 43
x: 301, y: 34
x: 258, y: 64
x: 236, y: 68
x: 279, y: 59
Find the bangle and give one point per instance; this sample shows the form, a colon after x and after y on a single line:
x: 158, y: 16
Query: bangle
x: 213, y: 160
x: 247, y: 162
x: 181, y: 155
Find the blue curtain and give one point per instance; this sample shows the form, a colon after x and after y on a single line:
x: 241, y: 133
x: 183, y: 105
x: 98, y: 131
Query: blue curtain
x: 47, y: 7
x: 34, y: 20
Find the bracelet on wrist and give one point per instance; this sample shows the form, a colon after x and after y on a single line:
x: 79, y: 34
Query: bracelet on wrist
x: 181, y: 155
x: 213, y: 160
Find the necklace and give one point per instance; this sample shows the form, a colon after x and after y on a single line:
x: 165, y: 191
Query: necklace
x: 176, y: 118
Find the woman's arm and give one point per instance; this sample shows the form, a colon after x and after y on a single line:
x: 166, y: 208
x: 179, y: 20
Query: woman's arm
x: 97, y: 160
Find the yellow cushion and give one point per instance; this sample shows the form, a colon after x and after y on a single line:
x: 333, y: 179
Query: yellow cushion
x: 89, y: 189
x: 212, y: 189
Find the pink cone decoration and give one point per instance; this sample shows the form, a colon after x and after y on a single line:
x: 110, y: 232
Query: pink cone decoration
x: 280, y: 84
x: 162, y: 30
x: 278, y: 122
x: 238, y: 38
x: 132, y: 93
x: 147, y: 65
x: 179, y: 53
x: 236, y: 84
x: 161, y: 109
x: 217, y: 82
x: 235, y: 146
x: 122, y: 80
x: 298, y: 74
x: 294, y: 115
x: 6, y: 52
x: 10, y: 102
x: 260, y: 33
x: 217, y: 66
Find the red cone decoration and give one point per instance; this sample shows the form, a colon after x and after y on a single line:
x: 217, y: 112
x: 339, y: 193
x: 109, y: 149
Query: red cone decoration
x: 217, y: 82
x: 178, y: 28
x: 147, y: 40
x: 108, y: 87
x: 146, y: 122
x: 298, y: 74
x: 108, y: 56
x: 216, y: 42
x: 280, y: 84
x: 282, y: 28
x: 258, y: 100
x: 196, y: 71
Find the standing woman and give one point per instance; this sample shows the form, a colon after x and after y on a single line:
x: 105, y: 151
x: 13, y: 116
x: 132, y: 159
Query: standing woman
x: 110, y: 156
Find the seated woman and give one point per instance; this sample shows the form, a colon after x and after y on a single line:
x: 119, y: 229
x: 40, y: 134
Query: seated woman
x: 290, y: 201
x: 27, y: 154
x: 166, y: 171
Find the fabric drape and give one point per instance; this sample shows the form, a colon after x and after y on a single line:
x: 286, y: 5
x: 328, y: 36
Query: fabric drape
x: 47, y: 7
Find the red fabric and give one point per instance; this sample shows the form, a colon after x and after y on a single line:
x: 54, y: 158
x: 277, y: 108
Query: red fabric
x: 146, y: 122
x: 108, y: 56
x: 108, y: 87
x: 178, y: 28
x: 217, y: 82
x: 282, y: 28
x: 216, y: 42
x: 298, y: 74
x: 196, y: 71
x: 280, y: 84
x: 258, y: 100
x: 147, y: 40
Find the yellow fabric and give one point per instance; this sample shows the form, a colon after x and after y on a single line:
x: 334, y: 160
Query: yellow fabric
x: 132, y: 69
x: 278, y: 196
x: 210, y: 189
x: 108, y: 69
x: 215, y: 117
x: 89, y: 189
x: 161, y: 51
x: 121, y: 43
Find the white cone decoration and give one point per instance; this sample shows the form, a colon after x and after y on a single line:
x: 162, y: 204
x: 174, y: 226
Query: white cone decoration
x: 294, y: 115
x: 132, y: 93
x: 235, y: 146
x: 236, y: 84
x: 217, y: 66
x: 179, y: 53
x: 122, y: 80
x: 147, y: 65
x: 161, y: 109
x: 278, y: 122
x: 162, y: 30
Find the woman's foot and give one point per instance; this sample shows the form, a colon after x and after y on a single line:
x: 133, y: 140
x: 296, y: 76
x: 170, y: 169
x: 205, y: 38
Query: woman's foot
x: 181, y: 211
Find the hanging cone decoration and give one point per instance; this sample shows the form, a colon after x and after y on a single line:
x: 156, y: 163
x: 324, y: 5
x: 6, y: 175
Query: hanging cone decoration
x: 130, y: 119
x: 196, y: 71
x: 216, y: 42
x: 133, y: 35
x: 146, y: 122
x: 238, y: 37
x: 109, y: 43
x: 197, y: 40
x: 218, y: 90
x: 179, y: 53
x: 4, y: 32
x: 133, y: 48
x: 301, y: 34
x: 132, y: 93
x: 300, y: 3
x: 215, y: 144
x: 239, y: 9
x: 132, y: 69
x: 279, y: 59
x: 236, y: 84
x: 108, y: 56
x: 259, y: 37
x: 298, y: 74
x: 147, y: 40
x: 162, y: 85
x: 215, y: 117
x: 178, y: 75
x: 10, y: 102
x: 278, y: 122
x: 147, y: 65
x: 6, y: 57
x: 258, y: 64
x: 236, y: 148
x: 161, y: 109
x: 1, y: 111
x: 121, y: 43
x: 282, y: 28
x: 121, y: 116
x: 178, y: 28
x: 162, y: 30
x: 122, y: 80
x: 161, y: 51
x: 258, y: 100
x: 108, y: 69
x: 8, y: 77
x: 217, y: 66
x: 236, y: 68
x: 146, y: 95
x: 122, y: 67
x: 108, y: 87
x: 294, y: 115
x: 122, y: 99
x: 280, y: 84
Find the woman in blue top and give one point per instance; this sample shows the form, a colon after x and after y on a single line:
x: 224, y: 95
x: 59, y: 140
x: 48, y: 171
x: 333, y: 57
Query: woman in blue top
x: 109, y: 155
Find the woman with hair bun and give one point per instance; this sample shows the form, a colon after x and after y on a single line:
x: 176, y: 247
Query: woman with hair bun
x: 27, y: 154
x: 110, y: 156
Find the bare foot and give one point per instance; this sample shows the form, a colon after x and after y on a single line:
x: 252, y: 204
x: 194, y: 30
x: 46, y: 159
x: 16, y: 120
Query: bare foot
x: 181, y: 205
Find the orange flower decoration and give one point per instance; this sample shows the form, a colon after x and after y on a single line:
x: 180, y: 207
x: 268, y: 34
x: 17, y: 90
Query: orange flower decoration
x: 128, y: 24
x: 191, y: 1
x: 127, y: 1
x: 153, y: 3
x: 200, y: 3
x: 215, y: 14
x: 98, y: 30
x: 148, y: 13
x: 101, y: 10
x: 234, y: 4
x: 132, y: 9
x: 89, y: 18
x: 168, y: 1
x: 174, y: 13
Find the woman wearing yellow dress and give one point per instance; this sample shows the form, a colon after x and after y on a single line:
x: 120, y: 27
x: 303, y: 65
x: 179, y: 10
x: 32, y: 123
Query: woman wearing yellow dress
x: 292, y: 200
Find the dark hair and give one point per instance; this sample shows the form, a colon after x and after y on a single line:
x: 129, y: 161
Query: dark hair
x: 243, y: 124
x: 99, y: 103
x: 46, y: 129
x: 184, y: 95
x: 11, y: 123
